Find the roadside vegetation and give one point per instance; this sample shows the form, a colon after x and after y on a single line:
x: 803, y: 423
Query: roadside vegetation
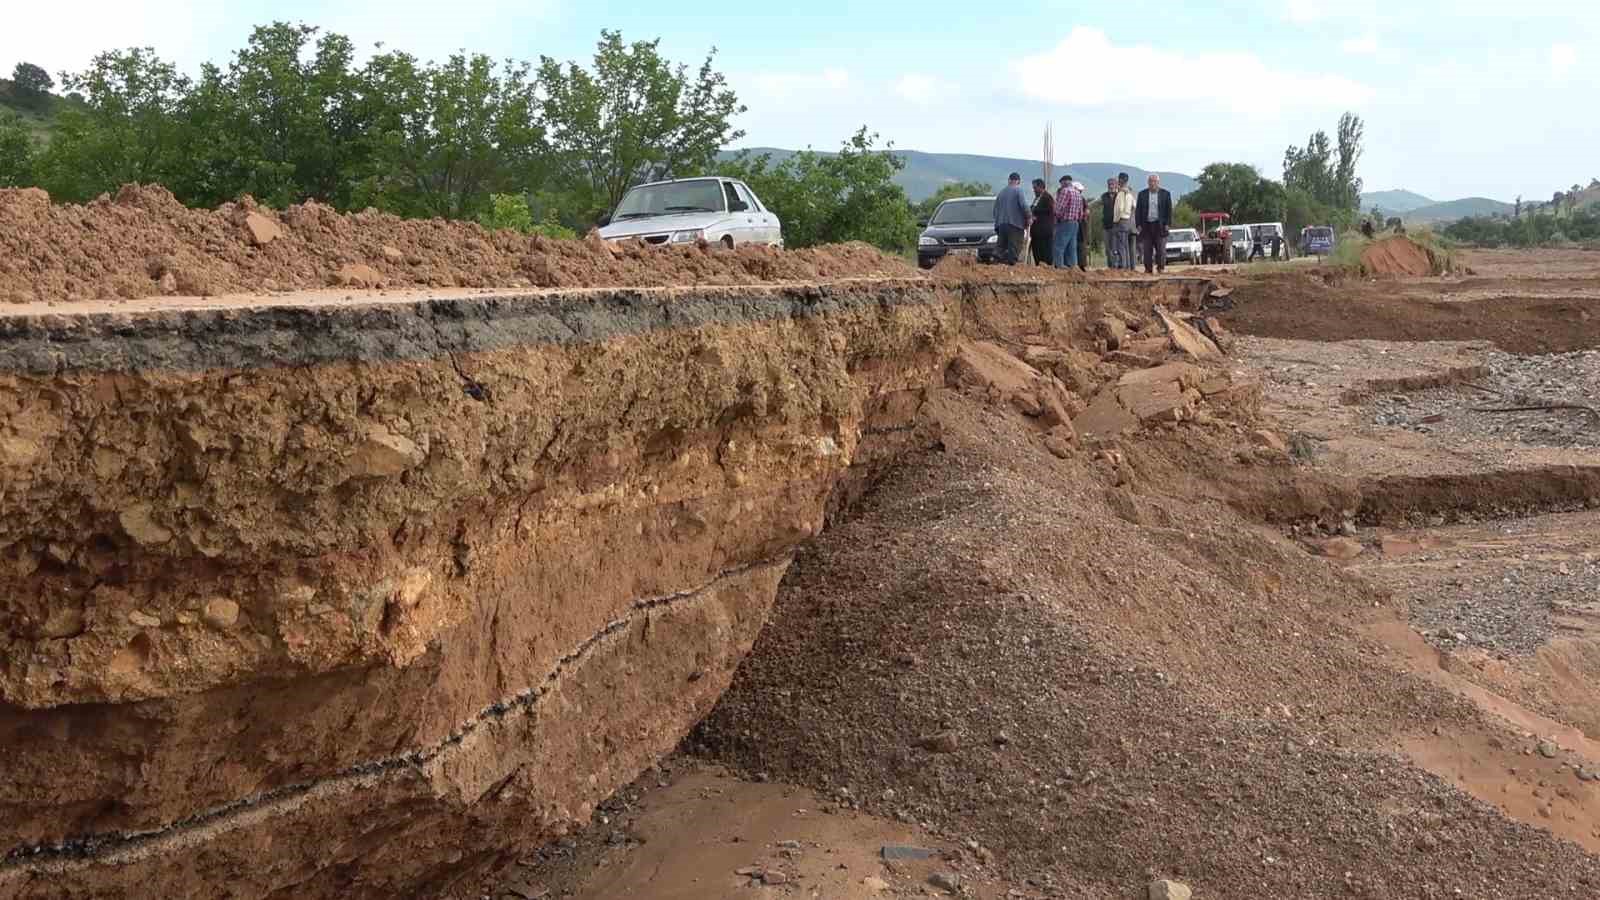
x: 544, y: 146
x: 1543, y: 229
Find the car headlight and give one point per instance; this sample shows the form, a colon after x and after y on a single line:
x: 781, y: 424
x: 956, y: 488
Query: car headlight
x: 992, y: 239
x: 925, y: 241
x: 688, y: 237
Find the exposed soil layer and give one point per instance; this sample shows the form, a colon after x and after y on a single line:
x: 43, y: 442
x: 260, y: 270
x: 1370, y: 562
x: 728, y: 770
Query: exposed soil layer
x: 482, y: 569
x: 1305, y: 307
x: 143, y: 243
x: 442, y: 564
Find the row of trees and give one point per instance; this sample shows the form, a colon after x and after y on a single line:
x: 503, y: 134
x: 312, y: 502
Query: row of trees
x: 1540, y: 229
x: 1319, y: 187
x: 293, y: 117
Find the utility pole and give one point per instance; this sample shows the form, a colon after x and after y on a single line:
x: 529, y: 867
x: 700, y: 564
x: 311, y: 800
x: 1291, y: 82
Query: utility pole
x: 1049, y: 150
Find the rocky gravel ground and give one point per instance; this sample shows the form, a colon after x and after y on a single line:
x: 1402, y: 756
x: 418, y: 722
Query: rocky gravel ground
x: 1501, y: 589
x: 1107, y: 687
x: 1463, y: 411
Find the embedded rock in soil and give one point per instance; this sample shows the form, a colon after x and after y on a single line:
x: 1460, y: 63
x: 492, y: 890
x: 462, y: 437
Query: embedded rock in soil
x: 1169, y: 890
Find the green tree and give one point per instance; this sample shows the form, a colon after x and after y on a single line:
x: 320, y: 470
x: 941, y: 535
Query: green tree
x: 634, y: 117
x: 829, y: 198
x: 1325, y: 172
x: 294, y: 124
x: 125, y: 130
x: 513, y: 212
x: 450, y: 135
x: 1239, y: 190
x: 16, y: 152
x: 924, y: 210
x: 30, y: 86
x: 1346, y: 184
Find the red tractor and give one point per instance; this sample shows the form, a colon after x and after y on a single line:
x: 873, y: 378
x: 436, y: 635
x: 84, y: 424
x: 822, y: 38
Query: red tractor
x: 1216, y: 244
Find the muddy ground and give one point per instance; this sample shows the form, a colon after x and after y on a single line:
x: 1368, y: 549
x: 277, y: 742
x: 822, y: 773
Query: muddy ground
x: 1359, y: 665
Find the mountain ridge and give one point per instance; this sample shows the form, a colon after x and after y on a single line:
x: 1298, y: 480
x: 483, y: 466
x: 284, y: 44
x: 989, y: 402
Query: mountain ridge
x: 926, y: 172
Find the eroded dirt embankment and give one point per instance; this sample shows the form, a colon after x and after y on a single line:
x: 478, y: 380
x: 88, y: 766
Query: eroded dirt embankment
x: 365, y: 597
x: 443, y: 570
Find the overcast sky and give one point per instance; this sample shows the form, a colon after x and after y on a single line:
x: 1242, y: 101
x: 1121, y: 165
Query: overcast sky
x: 1460, y: 97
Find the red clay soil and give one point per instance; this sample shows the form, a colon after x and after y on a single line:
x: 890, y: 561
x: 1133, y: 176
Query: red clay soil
x: 1396, y: 255
x: 144, y: 243
x: 1305, y: 307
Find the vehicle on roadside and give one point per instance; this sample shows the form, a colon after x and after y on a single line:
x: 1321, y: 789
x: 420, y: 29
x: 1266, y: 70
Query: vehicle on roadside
x: 1183, y: 245
x: 686, y: 210
x: 961, y: 226
x: 1316, y: 240
x: 1263, y: 232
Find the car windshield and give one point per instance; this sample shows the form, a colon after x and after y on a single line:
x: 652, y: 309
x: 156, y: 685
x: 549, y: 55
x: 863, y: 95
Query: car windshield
x: 1319, y: 233
x: 672, y: 197
x: 1179, y: 235
x: 964, y: 212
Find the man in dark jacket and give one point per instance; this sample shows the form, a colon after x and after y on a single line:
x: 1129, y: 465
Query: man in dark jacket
x: 1153, y: 212
x: 1041, y: 235
x: 1011, y: 214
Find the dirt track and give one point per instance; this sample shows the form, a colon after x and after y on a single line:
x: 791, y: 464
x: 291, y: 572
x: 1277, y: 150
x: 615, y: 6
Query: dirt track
x: 1518, y: 314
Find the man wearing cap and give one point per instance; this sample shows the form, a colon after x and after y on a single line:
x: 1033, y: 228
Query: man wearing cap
x: 1010, y: 219
x: 1069, y: 219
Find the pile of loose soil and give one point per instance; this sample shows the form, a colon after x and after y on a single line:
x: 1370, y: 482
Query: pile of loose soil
x: 144, y: 243
x: 1397, y: 255
x: 1307, y: 307
x: 1104, y: 684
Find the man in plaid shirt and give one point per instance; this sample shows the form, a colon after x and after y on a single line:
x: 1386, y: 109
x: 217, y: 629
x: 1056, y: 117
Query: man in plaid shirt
x: 1070, y: 213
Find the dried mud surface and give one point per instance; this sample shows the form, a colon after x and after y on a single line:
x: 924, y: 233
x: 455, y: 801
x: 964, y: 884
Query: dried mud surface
x: 143, y: 243
x: 1304, y: 306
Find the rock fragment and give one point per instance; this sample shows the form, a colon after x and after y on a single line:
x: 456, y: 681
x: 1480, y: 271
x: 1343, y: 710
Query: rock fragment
x: 1169, y: 890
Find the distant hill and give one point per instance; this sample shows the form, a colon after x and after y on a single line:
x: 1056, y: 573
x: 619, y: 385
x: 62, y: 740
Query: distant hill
x: 925, y: 173
x: 1457, y: 209
x: 1394, y: 202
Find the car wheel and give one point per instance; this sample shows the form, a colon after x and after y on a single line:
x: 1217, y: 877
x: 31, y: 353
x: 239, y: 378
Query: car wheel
x: 727, y: 241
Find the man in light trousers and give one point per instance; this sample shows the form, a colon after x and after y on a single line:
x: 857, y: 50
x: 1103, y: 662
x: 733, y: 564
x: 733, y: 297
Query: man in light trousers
x: 1122, y: 225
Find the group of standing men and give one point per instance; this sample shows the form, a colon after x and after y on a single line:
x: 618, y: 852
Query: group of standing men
x: 1056, y: 226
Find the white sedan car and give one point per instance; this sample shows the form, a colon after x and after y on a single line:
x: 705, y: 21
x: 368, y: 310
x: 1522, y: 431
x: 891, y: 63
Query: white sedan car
x: 685, y: 210
x: 1183, y: 245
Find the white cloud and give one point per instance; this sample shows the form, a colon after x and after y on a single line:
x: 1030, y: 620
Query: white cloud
x: 1366, y: 45
x: 923, y: 90
x: 1562, y: 58
x: 1148, y: 75
x: 1305, y: 12
x: 190, y: 33
x: 788, y: 86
